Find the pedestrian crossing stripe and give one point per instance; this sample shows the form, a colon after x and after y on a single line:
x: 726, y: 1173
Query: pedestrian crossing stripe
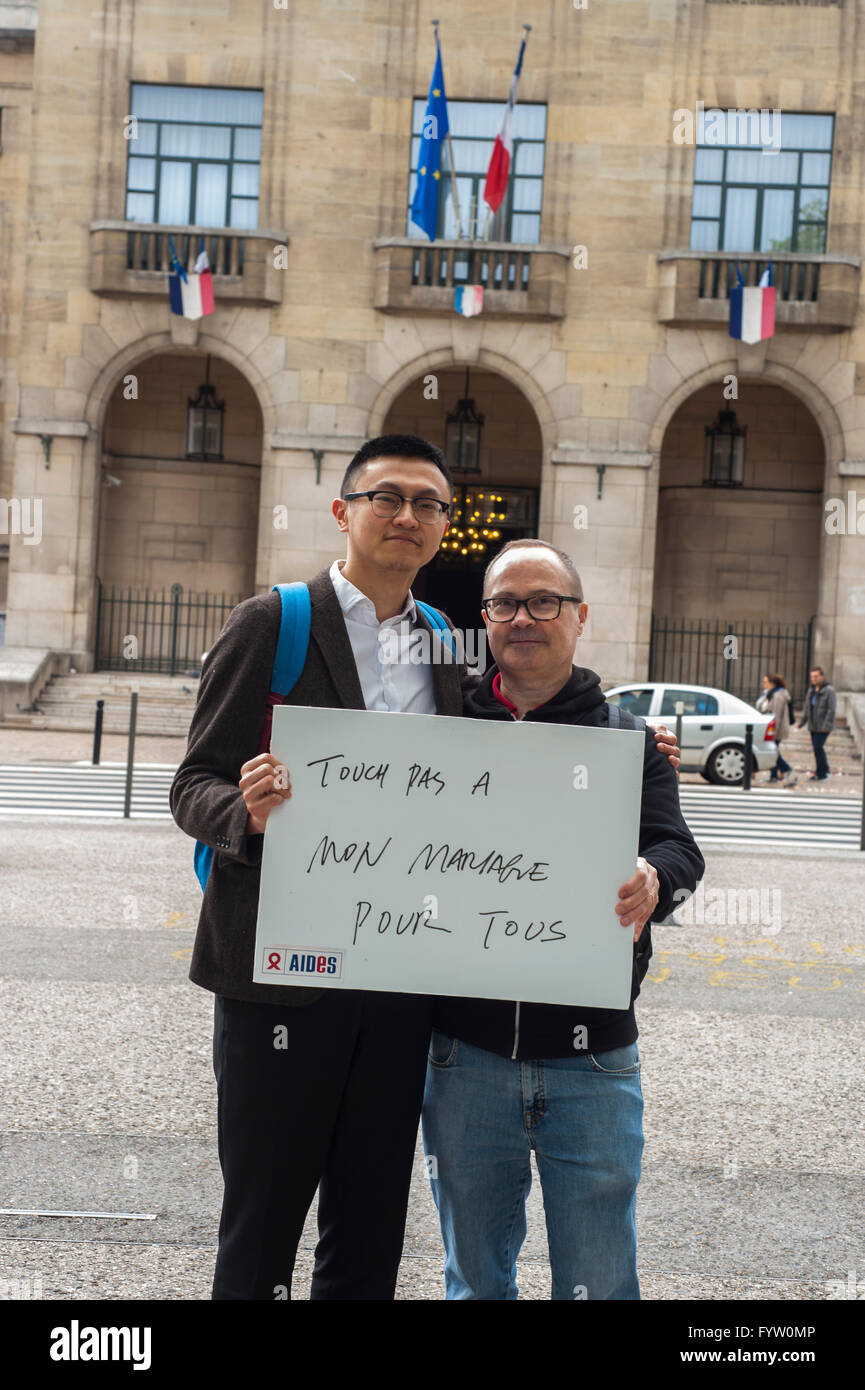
x: 714, y: 815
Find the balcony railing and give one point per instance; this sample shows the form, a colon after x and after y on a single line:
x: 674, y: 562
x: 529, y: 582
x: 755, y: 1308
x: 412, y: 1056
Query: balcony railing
x: 819, y: 293
x: 134, y: 258
x: 520, y: 281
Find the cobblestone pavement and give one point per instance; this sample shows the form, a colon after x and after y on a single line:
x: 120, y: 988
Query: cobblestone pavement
x: 752, y: 1045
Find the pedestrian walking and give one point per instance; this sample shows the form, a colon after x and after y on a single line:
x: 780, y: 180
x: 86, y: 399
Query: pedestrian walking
x: 819, y: 715
x: 776, y: 701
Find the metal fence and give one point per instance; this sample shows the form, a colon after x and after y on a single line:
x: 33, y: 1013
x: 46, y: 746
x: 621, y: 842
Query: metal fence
x: 731, y: 656
x: 164, y: 632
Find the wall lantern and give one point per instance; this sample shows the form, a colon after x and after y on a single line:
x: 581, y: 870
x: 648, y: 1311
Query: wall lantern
x: 725, y: 451
x: 463, y: 429
x: 205, y: 421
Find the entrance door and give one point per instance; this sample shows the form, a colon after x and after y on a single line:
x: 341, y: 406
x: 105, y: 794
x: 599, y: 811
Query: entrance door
x: 485, y: 517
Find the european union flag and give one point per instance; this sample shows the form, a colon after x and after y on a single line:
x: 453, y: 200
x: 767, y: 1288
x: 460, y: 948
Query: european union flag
x: 425, y: 204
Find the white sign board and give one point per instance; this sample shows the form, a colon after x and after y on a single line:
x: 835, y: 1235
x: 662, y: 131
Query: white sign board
x: 431, y: 855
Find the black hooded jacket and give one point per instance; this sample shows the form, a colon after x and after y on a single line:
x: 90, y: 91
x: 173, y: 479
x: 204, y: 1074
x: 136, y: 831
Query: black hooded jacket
x: 522, y: 1030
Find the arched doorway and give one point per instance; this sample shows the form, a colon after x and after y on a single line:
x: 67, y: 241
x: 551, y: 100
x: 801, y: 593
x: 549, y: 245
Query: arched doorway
x: 178, y: 512
x: 497, y: 504
x: 738, y: 560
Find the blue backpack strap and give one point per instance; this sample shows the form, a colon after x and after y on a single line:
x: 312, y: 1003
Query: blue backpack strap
x: 437, y: 623
x: 293, y: 637
x: 203, y: 860
x: 288, y: 663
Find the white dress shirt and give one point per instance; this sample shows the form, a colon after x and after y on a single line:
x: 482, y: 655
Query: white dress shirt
x: 389, y: 678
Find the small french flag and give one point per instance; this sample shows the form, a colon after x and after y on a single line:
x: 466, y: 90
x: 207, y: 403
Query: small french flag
x: 752, y: 309
x: 469, y: 300
x: 191, y: 296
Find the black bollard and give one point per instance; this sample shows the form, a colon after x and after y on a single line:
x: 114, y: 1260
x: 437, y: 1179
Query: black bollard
x: 680, y: 709
x: 749, y: 756
x: 133, y: 714
x: 97, y: 731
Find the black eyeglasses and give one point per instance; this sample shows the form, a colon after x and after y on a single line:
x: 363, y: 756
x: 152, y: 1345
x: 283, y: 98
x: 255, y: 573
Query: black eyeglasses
x: 426, y: 509
x: 542, y: 607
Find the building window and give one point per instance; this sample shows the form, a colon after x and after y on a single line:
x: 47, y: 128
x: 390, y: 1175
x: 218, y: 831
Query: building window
x: 746, y: 199
x: 195, y: 157
x: 473, y: 127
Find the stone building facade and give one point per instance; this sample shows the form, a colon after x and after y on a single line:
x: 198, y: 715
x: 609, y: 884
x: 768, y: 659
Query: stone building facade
x: 601, y: 355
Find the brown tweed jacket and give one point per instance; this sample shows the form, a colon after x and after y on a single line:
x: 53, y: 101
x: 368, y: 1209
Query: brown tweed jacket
x: 225, y: 732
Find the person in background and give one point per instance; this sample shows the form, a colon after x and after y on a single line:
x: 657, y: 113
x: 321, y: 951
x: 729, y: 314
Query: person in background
x: 819, y: 715
x: 776, y: 701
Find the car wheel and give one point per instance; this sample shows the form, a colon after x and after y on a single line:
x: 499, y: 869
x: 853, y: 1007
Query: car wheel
x: 726, y: 766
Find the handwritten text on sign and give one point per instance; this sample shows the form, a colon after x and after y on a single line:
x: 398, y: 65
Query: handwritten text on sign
x: 431, y: 855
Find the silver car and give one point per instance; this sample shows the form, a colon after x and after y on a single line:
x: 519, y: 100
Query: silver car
x: 713, y: 726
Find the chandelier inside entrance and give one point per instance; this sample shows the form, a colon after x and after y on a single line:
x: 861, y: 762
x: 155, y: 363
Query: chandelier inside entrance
x: 474, y: 522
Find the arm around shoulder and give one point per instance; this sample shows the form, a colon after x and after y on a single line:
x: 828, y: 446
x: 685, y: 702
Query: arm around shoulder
x: 665, y: 840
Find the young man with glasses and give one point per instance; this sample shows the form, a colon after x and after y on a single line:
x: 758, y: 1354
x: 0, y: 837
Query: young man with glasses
x: 316, y: 1089
x: 508, y: 1078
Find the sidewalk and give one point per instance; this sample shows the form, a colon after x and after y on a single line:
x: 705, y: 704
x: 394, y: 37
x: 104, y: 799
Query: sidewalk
x: 57, y: 746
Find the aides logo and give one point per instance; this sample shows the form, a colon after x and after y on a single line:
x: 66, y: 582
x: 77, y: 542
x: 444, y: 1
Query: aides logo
x: 301, y: 963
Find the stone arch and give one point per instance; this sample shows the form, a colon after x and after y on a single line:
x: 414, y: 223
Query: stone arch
x: 811, y: 545
x: 776, y: 373
x: 830, y: 600
x: 100, y: 392
x: 491, y: 361
x: 105, y: 381
x: 512, y: 459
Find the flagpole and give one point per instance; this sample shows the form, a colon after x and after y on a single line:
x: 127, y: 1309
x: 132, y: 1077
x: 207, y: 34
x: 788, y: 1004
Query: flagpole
x: 526, y: 31
x: 451, y: 160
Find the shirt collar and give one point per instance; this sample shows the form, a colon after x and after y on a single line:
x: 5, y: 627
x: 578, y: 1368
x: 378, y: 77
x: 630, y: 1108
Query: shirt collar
x: 496, y: 688
x: 351, y: 599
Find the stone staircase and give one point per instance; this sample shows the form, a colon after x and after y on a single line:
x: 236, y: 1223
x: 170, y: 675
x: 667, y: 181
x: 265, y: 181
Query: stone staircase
x: 165, y: 704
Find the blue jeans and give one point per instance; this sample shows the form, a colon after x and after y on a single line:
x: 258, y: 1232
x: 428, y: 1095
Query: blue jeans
x: 582, y: 1116
x: 817, y: 741
x: 782, y: 767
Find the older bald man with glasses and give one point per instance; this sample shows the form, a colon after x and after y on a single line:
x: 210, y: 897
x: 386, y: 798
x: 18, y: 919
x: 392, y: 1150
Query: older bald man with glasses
x: 506, y: 1079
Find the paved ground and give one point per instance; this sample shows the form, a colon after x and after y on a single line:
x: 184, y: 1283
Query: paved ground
x: 48, y: 745
x: 751, y: 1039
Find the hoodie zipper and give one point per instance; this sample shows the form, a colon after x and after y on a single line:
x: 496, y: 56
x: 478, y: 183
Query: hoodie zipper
x: 517, y: 1004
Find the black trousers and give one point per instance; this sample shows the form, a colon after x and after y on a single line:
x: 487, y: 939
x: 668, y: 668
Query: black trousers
x: 326, y: 1095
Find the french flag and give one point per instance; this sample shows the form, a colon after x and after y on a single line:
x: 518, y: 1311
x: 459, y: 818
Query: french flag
x: 469, y: 300
x: 191, y: 295
x: 500, y: 163
x: 752, y: 309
